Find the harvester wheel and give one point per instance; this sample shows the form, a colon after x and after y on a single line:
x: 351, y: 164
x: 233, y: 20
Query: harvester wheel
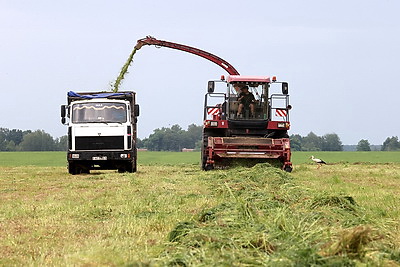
x: 209, y: 167
x: 203, y: 163
x: 288, y: 168
x: 203, y: 152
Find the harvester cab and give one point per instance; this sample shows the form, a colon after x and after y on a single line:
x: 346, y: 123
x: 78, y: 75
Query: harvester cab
x: 269, y: 109
x: 254, y: 129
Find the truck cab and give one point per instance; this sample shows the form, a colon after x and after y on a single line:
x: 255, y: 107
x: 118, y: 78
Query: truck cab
x: 101, y: 131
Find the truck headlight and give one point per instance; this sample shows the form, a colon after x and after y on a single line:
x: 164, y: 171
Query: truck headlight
x: 75, y: 156
x: 124, y: 156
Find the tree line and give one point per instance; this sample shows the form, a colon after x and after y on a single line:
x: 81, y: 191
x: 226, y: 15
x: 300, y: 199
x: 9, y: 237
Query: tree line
x: 313, y: 142
x: 331, y: 142
x: 39, y: 140
x: 175, y: 138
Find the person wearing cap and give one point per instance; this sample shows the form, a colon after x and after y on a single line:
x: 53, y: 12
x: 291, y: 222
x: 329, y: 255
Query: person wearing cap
x: 246, y: 99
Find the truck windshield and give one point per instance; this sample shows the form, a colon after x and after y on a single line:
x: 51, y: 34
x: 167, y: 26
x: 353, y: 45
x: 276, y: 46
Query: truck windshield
x: 98, y: 112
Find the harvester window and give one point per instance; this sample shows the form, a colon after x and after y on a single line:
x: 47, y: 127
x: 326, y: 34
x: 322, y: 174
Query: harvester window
x: 254, y: 110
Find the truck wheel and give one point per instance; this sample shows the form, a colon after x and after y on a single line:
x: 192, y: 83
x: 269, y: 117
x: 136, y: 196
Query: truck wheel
x: 134, y: 169
x: 131, y: 166
x: 72, y: 168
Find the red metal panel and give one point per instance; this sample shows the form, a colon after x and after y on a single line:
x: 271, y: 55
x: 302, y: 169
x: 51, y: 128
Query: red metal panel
x: 273, y: 125
x: 222, y: 124
x: 243, y: 78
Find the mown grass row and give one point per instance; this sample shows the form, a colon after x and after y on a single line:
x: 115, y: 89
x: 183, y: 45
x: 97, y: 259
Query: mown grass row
x: 263, y: 217
x: 338, y: 215
x: 48, y: 217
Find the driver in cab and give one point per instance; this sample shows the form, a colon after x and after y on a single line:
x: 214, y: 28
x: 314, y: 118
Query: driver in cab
x: 246, y: 100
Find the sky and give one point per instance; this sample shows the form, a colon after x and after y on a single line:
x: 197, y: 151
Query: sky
x: 341, y: 59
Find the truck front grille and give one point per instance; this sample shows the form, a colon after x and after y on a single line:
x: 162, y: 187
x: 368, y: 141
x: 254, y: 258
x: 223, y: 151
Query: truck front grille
x: 99, y: 142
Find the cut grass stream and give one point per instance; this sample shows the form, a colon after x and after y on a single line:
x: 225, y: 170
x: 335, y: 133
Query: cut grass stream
x: 340, y: 215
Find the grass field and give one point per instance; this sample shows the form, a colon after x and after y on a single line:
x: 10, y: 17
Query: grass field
x: 50, y: 159
x: 170, y: 213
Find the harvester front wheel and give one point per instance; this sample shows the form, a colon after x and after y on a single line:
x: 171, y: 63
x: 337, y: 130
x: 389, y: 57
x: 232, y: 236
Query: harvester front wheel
x: 208, y: 167
x: 288, y: 168
x: 203, y: 151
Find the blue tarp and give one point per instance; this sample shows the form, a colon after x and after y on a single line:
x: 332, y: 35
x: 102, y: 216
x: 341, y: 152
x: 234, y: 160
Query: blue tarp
x: 102, y: 95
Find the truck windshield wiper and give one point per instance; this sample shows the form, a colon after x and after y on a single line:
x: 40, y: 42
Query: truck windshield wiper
x: 107, y: 122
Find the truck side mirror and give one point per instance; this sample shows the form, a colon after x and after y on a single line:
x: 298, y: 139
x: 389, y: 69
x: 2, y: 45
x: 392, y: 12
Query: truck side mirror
x: 285, y: 88
x: 63, y: 109
x: 210, y: 87
x: 63, y: 113
x: 136, y: 110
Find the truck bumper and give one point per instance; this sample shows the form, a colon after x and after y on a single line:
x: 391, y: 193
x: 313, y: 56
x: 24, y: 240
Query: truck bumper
x: 84, y: 161
x: 100, y: 156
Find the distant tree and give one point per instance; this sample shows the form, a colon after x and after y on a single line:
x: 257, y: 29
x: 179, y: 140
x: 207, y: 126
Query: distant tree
x: 10, y: 139
x: 11, y: 146
x: 198, y: 145
x: 172, y: 139
x: 37, y: 141
x: 296, y: 142
x: 61, y: 144
x: 331, y: 142
x: 139, y: 143
x: 3, y: 141
x: 15, y: 135
x: 363, y: 145
x: 391, y: 143
x: 167, y: 139
x: 193, y: 135
x: 312, y: 142
x: 155, y: 140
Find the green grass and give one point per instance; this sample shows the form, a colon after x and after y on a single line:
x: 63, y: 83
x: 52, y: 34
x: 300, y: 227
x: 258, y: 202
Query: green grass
x: 58, y: 158
x: 44, y: 159
x: 338, y: 215
x: 154, y: 158
x: 299, y: 157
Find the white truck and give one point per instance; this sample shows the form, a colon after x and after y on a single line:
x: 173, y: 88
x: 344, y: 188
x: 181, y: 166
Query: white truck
x: 101, y: 131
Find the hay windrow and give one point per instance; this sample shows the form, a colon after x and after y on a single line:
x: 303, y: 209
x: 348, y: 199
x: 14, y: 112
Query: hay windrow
x: 343, y: 202
x: 351, y: 242
x: 269, y: 220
